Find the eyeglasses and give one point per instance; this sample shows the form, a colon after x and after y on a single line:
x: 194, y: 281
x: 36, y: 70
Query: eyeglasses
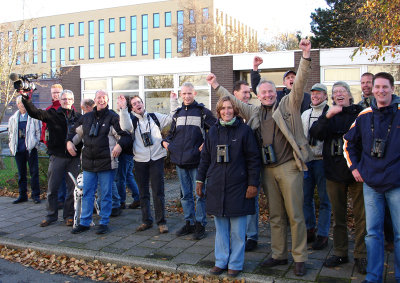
x: 341, y: 91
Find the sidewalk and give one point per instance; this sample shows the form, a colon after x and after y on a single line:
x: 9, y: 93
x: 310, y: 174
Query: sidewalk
x: 19, y: 228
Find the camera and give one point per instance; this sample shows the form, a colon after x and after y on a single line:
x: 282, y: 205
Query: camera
x: 21, y: 134
x: 94, y: 130
x: 23, y: 82
x: 268, y: 154
x: 337, y: 147
x: 146, y: 137
x: 378, y: 148
x: 222, y: 153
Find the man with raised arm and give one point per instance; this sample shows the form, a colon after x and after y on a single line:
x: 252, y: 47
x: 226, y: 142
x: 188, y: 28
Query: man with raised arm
x: 284, y: 150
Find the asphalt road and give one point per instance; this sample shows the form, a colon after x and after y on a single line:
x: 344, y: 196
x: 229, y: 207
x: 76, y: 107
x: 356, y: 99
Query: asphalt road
x: 11, y: 272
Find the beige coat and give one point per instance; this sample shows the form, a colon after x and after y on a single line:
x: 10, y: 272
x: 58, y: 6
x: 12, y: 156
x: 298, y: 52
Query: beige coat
x: 286, y: 115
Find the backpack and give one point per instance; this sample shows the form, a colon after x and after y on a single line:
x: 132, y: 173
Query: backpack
x: 135, y: 120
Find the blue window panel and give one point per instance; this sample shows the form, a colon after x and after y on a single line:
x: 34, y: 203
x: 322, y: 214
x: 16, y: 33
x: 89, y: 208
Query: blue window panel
x: 168, y: 48
x: 122, y: 24
x: 81, y: 28
x: 168, y: 20
x: 133, y: 36
x: 62, y: 56
x: 111, y: 50
x: 53, y: 69
x: 101, y: 39
x: 62, y: 30
x: 71, y: 29
x: 191, y: 16
x: 35, y: 45
x: 91, y: 39
x: 44, y: 44
x: 145, y: 35
x: 156, y: 20
x: 111, y: 25
x: 52, y: 31
x: 71, y: 54
x: 26, y: 35
x: 122, y: 49
x: 156, y: 48
x: 81, y: 52
x: 180, y: 31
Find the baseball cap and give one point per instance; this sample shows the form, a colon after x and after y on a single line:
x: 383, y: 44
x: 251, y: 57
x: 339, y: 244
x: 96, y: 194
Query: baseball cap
x: 288, y: 72
x: 319, y: 87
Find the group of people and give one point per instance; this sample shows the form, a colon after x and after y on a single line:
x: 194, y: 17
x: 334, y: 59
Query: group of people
x: 290, y: 145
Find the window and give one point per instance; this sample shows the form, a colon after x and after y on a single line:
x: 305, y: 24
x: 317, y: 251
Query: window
x: 205, y: 15
x: 122, y: 24
x: 71, y: 30
x: 81, y: 28
x: 35, y: 45
x: 342, y: 74
x: 133, y: 36
x: 44, y: 44
x: 111, y: 49
x: 205, y: 49
x: 71, y: 54
x: 26, y: 57
x: 101, y: 38
x: 145, y: 35
x: 156, y: 20
x: 18, y: 61
x: 81, y: 52
x: 62, y: 56
x: 167, y: 19
x: 157, y: 91
x: 193, y: 45
x: 180, y: 31
x: 52, y: 31
x: 122, y: 49
x: 91, y: 39
x: 168, y: 48
x: 53, y: 63
x: 156, y: 48
x: 62, y: 30
x: 191, y: 16
x: 111, y: 25
x: 26, y: 35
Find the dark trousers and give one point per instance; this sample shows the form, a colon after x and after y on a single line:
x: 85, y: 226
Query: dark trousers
x: 58, y: 167
x: 152, y: 171
x: 21, y: 158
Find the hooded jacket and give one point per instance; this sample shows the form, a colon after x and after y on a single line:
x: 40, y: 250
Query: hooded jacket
x: 380, y: 173
x: 32, y: 133
x: 286, y: 115
x: 227, y: 182
x: 331, y: 132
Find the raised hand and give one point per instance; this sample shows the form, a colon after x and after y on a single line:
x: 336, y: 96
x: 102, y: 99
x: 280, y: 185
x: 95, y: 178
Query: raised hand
x: 121, y: 102
x: 257, y: 61
x: 305, y: 45
x: 212, y: 80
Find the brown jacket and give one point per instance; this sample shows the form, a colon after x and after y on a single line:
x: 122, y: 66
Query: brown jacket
x: 286, y: 115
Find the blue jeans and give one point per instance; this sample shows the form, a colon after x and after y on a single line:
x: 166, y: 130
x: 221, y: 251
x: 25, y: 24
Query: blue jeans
x: 21, y: 158
x: 125, y: 177
x: 187, y: 178
x: 252, y: 223
x: 116, y: 200
x: 374, y: 240
x: 230, y: 242
x: 90, y: 181
x: 315, y: 176
x: 62, y: 190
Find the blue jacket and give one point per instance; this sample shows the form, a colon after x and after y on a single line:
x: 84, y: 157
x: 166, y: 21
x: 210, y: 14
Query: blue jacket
x: 227, y: 182
x: 187, y: 134
x: 381, y: 174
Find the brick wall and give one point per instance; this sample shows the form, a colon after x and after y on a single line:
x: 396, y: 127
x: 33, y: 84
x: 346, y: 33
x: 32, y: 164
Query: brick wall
x: 71, y: 79
x: 222, y: 67
x: 315, y: 75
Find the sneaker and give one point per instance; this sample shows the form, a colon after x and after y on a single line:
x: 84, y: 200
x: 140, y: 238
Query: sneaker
x: 185, y: 230
x: 135, y: 204
x: 79, y: 229
x: 102, y: 229
x: 143, y: 227
x: 334, y: 261
x: 320, y: 243
x: 199, y: 231
x: 116, y: 212
x: 311, y: 235
x: 20, y: 199
x: 361, y: 264
x: 163, y: 228
x: 250, y: 245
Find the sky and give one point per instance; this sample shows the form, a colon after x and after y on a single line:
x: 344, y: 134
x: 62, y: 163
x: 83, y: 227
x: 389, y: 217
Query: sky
x: 268, y: 17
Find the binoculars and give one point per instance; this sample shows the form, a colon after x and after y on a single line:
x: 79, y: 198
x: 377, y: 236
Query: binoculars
x: 222, y: 153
